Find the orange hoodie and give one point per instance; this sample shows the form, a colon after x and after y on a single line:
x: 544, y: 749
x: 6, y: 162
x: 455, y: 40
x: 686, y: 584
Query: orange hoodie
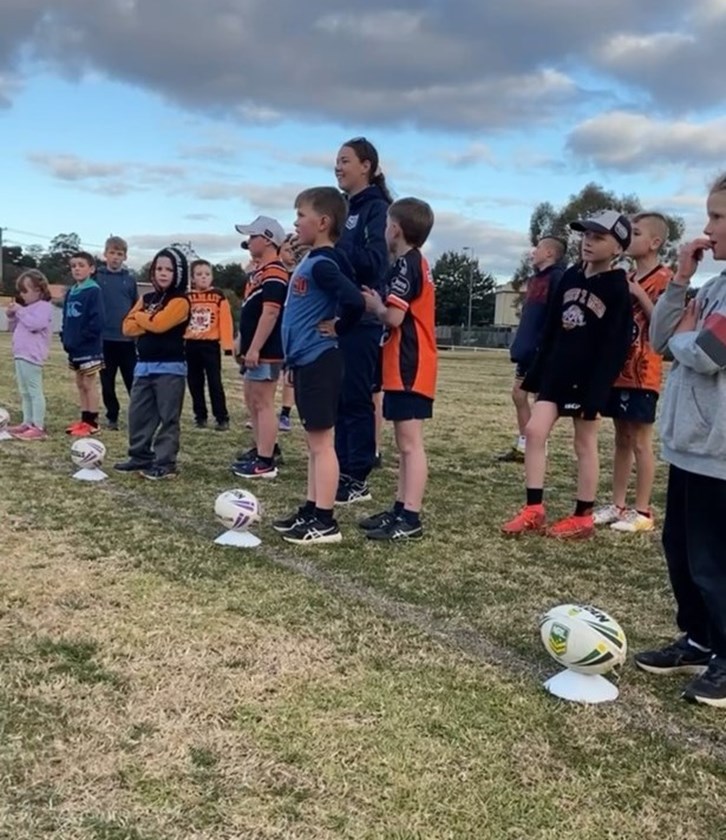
x: 211, y: 318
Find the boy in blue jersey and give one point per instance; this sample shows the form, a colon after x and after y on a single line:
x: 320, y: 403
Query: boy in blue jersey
x: 322, y: 304
x: 82, y: 339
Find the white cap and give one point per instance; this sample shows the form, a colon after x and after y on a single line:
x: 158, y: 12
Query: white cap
x: 264, y: 226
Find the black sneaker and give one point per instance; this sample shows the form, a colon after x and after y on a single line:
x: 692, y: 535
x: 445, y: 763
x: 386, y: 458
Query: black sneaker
x: 200, y: 424
x: 378, y: 520
x: 513, y: 456
x: 222, y: 427
x: 378, y: 461
x: 676, y: 658
x: 399, y: 529
x: 312, y: 532
x: 112, y: 425
x: 131, y: 466
x: 247, y: 455
x: 710, y: 687
x: 351, y: 491
x: 159, y: 473
x: 255, y: 469
x: 289, y: 523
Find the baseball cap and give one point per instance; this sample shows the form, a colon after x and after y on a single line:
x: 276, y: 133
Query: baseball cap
x: 264, y: 226
x: 607, y: 221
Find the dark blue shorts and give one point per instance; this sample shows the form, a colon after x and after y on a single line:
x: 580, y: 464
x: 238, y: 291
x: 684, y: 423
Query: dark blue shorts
x: 404, y: 405
x: 520, y: 370
x: 635, y: 405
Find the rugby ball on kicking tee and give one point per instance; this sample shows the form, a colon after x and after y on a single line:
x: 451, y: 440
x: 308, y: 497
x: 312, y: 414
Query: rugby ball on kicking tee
x: 583, y: 638
x: 4, y: 419
x: 237, y: 509
x: 87, y: 453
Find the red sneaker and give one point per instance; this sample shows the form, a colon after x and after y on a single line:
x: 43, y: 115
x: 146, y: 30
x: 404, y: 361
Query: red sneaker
x: 573, y: 528
x: 74, y: 425
x: 530, y: 519
x: 84, y: 430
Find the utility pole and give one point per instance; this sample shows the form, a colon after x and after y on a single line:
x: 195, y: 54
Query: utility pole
x: 471, y: 286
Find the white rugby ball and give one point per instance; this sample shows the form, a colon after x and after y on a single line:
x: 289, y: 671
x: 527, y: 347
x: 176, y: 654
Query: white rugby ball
x: 87, y: 453
x: 583, y: 638
x: 237, y: 509
x: 4, y: 419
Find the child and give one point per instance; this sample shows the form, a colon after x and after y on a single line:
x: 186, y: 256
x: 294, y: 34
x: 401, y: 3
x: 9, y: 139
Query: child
x: 119, y: 293
x: 363, y: 242
x: 635, y: 393
x: 260, y: 344
x: 584, y: 346
x: 30, y: 323
x: 409, y: 363
x: 290, y: 255
x: 210, y: 331
x: 693, y: 435
x: 547, y: 259
x: 318, y: 291
x: 158, y: 322
x: 82, y: 339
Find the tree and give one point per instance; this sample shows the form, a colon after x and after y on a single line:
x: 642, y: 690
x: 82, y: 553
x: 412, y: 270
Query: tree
x: 14, y: 259
x: 54, y: 263
x: 455, y: 274
x: 547, y: 219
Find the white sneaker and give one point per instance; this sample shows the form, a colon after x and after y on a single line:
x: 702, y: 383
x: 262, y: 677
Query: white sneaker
x: 607, y: 514
x: 633, y: 522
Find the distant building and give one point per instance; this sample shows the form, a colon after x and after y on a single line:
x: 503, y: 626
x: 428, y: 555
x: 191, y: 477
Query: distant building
x: 506, y: 306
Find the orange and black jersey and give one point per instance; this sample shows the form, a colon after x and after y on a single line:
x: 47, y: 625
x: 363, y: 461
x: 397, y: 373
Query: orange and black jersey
x: 409, y: 351
x: 268, y: 285
x: 211, y: 318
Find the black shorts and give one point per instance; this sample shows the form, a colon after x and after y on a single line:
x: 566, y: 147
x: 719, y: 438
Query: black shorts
x: 378, y: 381
x: 567, y: 407
x: 317, y: 391
x: 520, y: 370
x: 636, y: 405
x: 404, y: 405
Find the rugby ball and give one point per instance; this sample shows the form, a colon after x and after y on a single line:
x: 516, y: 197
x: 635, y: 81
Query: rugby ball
x: 4, y: 419
x: 88, y: 453
x: 237, y: 509
x: 583, y: 638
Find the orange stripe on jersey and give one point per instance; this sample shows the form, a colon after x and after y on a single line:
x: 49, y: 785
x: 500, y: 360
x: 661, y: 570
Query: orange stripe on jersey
x: 643, y: 369
x: 409, y: 351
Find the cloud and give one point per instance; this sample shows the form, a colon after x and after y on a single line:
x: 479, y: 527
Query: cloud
x: 628, y: 141
x: 407, y: 64
x: 199, y: 217
x: 474, y: 154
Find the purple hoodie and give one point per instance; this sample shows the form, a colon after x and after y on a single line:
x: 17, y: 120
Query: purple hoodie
x: 31, y: 329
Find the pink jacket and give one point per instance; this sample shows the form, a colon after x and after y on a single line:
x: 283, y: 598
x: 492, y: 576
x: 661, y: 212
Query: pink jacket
x: 31, y: 329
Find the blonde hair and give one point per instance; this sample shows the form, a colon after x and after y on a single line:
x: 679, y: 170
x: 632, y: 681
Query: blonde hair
x: 37, y: 280
x: 719, y: 185
x: 117, y: 244
x: 659, y: 224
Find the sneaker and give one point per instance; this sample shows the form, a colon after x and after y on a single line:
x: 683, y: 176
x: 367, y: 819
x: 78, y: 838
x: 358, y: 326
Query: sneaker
x: 289, y: 523
x: 112, y: 425
x: 633, y: 522
x: 246, y: 455
x: 74, y: 425
x: 84, y: 430
x: 378, y: 520
x: 16, y: 430
x: 248, y: 424
x: 251, y: 455
x: 351, y: 491
x: 312, y: 531
x: 285, y: 423
x: 131, y: 466
x: 572, y: 528
x: 710, y: 687
x: 607, y: 514
x: 531, y: 518
x: 397, y: 529
x: 222, y: 426
x: 31, y: 433
x: 513, y: 456
x: 255, y: 469
x: 679, y: 657
x: 158, y: 473
x: 200, y: 424
x: 378, y: 462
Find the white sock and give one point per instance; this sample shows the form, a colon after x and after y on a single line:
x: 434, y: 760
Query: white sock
x: 521, y: 443
x: 698, y: 647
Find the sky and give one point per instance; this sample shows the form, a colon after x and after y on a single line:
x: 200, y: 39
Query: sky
x: 173, y: 120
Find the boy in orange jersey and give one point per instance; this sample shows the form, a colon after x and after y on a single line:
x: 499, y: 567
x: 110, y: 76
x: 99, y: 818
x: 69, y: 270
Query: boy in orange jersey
x: 635, y: 392
x: 409, y: 363
x: 210, y: 331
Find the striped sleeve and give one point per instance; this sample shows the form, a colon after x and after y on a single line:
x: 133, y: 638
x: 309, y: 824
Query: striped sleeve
x: 712, y: 338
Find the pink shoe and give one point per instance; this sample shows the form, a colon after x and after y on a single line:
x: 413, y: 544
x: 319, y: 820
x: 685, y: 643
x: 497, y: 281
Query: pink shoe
x: 15, y: 430
x: 31, y: 433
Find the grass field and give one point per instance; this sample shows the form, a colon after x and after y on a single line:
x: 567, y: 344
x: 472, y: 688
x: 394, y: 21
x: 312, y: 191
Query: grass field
x: 154, y: 686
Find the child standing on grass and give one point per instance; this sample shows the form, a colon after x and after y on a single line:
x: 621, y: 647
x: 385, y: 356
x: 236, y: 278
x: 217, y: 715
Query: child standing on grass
x: 583, y: 348
x: 693, y: 436
x: 409, y: 363
x: 318, y: 292
x: 82, y: 339
x: 290, y: 255
x: 158, y: 323
x: 634, y: 396
x: 30, y: 322
x: 210, y: 332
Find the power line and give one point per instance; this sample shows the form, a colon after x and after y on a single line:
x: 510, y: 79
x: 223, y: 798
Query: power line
x: 48, y: 238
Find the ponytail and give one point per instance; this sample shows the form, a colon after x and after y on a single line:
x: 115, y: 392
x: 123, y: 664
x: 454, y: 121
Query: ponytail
x: 366, y: 152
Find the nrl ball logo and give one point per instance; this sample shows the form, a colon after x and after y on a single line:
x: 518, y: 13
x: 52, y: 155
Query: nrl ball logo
x: 558, y: 639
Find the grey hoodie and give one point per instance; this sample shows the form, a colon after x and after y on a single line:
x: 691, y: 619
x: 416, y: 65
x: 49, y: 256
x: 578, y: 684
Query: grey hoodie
x: 693, y: 415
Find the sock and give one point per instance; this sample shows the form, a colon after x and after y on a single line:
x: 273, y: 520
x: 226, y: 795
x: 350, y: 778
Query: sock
x: 325, y: 515
x: 285, y: 411
x: 697, y: 646
x: 521, y: 443
x: 93, y: 418
x: 535, y: 495
x: 266, y: 461
x: 397, y: 508
x: 584, y: 508
x: 646, y: 513
x: 411, y: 517
x: 85, y: 417
x: 308, y: 508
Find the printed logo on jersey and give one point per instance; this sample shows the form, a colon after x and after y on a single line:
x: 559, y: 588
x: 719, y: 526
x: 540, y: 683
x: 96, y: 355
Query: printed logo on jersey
x: 299, y: 285
x: 201, y: 320
x: 586, y: 298
x: 351, y: 222
x: 573, y: 317
x: 400, y: 285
